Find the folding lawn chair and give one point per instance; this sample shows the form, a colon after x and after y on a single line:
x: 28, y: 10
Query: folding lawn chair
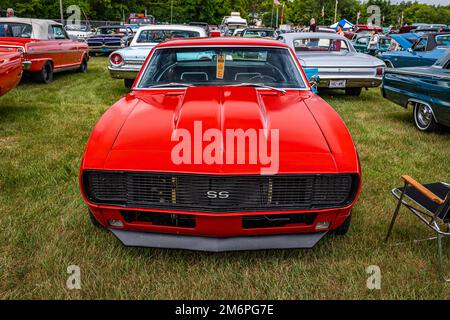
x: 431, y: 204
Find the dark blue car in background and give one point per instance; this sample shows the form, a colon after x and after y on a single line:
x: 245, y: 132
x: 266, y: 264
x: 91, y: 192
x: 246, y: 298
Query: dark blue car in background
x: 425, y: 51
x: 110, y: 38
x: 425, y: 89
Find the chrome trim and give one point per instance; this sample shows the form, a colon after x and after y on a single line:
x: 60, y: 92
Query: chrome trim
x: 294, y: 60
x: 123, y: 73
x: 55, y: 51
x: 26, y: 65
x: 415, y: 73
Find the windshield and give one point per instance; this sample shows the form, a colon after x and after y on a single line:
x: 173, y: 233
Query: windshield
x: 152, y: 36
x: 258, y: 33
x: 222, y: 66
x: 141, y: 21
x: 320, y: 45
x: 110, y: 31
x: 15, y: 30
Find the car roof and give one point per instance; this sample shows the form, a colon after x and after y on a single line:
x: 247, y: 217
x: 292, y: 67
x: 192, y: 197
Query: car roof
x: 172, y: 27
x: 40, y: 26
x: 224, y: 41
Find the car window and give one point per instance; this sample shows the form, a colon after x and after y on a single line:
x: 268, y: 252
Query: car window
x: 258, y: 33
x: 421, y: 44
x: 15, y: 30
x: 363, y: 40
x: 222, y: 66
x: 58, y: 33
x: 320, y: 45
x: 157, y: 36
x: 443, y: 40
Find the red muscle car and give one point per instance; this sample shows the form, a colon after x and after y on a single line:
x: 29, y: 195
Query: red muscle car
x: 44, y: 45
x: 221, y: 146
x: 10, y: 70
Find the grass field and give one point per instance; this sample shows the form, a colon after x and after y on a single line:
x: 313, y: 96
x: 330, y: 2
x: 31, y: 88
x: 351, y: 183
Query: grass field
x: 44, y: 226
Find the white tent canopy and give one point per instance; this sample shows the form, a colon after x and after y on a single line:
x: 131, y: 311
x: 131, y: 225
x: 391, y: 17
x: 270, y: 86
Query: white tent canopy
x: 345, y: 24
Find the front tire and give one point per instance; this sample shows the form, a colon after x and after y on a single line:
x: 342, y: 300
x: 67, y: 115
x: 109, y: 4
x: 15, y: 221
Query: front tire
x: 343, y: 229
x: 354, y: 92
x: 94, y: 221
x: 128, y: 83
x: 423, y: 118
x: 46, y: 74
x: 83, y: 66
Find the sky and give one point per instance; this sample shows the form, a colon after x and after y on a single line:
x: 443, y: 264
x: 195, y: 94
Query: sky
x: 441, y: 2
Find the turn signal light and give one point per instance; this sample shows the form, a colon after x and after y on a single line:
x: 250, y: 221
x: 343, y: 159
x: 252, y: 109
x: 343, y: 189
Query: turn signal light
x: 115, y: 223
x: 323, y: 225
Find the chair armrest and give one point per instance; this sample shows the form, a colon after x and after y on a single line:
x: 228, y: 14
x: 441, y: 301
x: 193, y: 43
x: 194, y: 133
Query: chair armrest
x: 423, y: 190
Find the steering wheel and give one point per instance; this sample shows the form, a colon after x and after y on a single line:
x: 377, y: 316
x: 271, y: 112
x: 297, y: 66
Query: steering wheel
x: 262, y: 77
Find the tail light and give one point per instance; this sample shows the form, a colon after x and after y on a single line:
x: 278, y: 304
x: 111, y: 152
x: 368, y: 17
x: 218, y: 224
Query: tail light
x: 116, y: 59
x: 380, y: 72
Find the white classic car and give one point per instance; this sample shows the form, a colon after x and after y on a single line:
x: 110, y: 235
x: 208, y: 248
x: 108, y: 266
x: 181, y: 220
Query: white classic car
x: 127, y: 62
x: 338, y: 63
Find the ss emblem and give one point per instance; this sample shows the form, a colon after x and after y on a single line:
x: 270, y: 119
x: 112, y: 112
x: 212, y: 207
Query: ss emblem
x: 218, y: 194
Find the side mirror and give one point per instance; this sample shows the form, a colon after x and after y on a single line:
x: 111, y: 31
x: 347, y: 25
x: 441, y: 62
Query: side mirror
x: 314, y: 81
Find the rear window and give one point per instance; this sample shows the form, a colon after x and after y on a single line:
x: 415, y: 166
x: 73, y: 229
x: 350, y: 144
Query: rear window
x: 157, y: 36
x: 15, y: 30
x: 320, y: 45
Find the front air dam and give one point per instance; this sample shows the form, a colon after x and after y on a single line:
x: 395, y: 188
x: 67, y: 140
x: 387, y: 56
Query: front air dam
x: 194, y: 243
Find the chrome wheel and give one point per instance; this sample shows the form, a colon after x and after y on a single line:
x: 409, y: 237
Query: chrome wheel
x: 423, y: 117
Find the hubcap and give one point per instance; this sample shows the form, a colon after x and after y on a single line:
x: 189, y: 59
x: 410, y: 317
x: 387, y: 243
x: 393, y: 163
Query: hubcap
x: 424, y: 115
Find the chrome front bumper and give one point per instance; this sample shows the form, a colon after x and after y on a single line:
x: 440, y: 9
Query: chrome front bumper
x: 123, y: 73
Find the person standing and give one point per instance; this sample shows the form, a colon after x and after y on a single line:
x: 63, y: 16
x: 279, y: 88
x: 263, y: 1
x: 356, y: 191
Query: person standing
x: 312, y: 25
x: 10, y: 13
x: 373, y: 45
x: 226, y: 30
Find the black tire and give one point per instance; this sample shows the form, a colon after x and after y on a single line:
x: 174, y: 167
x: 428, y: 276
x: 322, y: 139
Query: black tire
x: 83, y: 66
x: 343, y: 228
x: 128, y: 83
x: 46, y: 74
x: 354, y: 92
x: 423, y: 118
x: 94, y: 221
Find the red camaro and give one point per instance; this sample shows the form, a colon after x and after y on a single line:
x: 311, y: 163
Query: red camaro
x: 10, y: 70
x: 44, y: 45
x: 220, y: 146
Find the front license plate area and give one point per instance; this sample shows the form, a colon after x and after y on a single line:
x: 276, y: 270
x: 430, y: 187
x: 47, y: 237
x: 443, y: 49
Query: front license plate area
x: 337, y: 83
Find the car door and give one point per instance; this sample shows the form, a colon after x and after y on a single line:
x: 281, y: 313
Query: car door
x: 418, y: 54
x: 67, y: 54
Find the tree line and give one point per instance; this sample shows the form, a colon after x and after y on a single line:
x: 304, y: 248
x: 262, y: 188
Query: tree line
x: 297, y: 12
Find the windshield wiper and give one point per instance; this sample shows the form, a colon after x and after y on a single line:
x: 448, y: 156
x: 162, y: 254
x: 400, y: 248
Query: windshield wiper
x: 258, y: 85
x: 172, y: 84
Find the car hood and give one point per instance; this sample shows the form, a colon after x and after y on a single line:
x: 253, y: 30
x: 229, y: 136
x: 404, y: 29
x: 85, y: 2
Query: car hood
x: 145, y: 140
x: 404, y: 39
x: 136, y: 52
x: 335, y: 59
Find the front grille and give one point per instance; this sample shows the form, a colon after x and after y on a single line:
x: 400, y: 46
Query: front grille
x: 210, y: 193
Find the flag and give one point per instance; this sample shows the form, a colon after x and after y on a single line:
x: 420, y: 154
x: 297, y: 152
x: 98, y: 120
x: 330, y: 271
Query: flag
x: 277, y: 2
x: 382, y: 19
x: 358, y: 15
x: 323, y: 11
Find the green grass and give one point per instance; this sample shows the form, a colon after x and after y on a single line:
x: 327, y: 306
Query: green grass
x: 44, y: 226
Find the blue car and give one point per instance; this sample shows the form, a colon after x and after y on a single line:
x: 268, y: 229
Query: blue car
x: 110, y: 38
x: 425, y: 89
x: 425, y: 51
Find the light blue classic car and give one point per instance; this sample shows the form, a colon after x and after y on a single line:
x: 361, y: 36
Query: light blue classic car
x: 425, y: 51
x: 425, y: 89
x: 127, y: 62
